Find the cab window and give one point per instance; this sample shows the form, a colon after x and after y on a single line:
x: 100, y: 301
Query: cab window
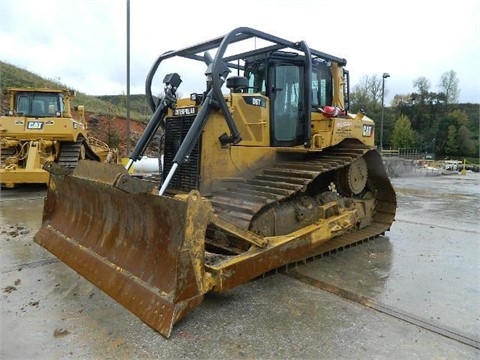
x: 23, y: 105
x: 322, y: 89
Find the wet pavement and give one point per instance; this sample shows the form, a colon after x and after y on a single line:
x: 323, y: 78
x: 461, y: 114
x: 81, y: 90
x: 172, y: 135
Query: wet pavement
x: 426, y: 268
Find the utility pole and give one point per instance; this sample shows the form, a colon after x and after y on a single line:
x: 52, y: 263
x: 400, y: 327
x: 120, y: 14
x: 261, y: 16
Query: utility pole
x: 128, y: 78
x: 384, y: 76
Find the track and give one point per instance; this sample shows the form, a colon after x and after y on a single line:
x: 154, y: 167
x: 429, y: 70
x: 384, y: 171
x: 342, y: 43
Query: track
x: 287, y: 178
x: 71, y: 153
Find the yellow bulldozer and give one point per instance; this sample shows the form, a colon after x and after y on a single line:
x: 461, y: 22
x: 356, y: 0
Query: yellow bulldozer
x: 37, y: 128
x: 271, y: 170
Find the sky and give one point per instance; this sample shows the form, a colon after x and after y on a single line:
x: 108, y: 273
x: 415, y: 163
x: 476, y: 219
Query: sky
x: 82, y: 43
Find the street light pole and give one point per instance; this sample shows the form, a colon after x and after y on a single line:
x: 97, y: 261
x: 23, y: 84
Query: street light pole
x: 384, y: 76
x: 128, y: 79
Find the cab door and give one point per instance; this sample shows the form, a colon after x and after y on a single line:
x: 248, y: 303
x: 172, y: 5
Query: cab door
x: 286, y: 109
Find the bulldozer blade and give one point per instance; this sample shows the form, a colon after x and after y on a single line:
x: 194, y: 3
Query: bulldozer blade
x: 144, y: 250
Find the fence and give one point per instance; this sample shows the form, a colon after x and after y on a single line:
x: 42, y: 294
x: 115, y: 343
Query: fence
x: 406, y: 153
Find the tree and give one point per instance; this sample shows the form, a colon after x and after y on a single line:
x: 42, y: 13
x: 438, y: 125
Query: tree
x: 465, y: 142
x: 367, y: 95
x: 401, y: 100
x: 460, y: 117
x: 451, y: 147
x: 425, y: 111
x: 422, y: 84
x: 455, y: 135
x: 403, y: 136
x: 449, y: 86
x: 431, y: 114
x: 359, y: 99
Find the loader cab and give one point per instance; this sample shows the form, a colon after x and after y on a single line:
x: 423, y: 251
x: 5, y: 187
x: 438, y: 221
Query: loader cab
x: 39, y: 104
x: 281, y: 77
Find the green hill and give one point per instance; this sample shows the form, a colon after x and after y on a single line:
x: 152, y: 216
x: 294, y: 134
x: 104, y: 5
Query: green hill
x: 138, y: 104
x: 108, y: 105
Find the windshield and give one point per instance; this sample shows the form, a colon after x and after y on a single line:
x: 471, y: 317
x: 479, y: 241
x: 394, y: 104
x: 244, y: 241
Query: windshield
x: 39, y: 104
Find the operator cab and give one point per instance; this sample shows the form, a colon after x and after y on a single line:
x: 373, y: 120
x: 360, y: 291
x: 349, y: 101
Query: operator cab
x: 280, y: 77
x: 34, y: 104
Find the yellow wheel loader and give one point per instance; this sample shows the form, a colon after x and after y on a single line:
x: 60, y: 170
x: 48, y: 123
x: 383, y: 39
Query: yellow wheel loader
x: 271, y: 170
x: 38, y: 128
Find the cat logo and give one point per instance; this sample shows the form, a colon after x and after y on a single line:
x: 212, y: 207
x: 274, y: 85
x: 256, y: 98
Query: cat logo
x: 35, y: 125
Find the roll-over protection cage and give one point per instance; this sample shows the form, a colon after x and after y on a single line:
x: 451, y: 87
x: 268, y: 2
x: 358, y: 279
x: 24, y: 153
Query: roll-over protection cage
x: 217, y: 72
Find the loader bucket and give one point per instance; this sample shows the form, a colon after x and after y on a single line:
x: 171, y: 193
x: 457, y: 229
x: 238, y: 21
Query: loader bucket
x: 144, y: 250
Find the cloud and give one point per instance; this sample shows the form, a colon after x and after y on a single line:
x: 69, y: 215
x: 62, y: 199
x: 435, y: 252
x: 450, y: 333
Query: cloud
x: 83, y: 42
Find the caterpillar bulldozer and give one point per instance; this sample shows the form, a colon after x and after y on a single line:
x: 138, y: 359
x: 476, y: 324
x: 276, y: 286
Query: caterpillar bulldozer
x: 38, y: 127
x: 272, y: 170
